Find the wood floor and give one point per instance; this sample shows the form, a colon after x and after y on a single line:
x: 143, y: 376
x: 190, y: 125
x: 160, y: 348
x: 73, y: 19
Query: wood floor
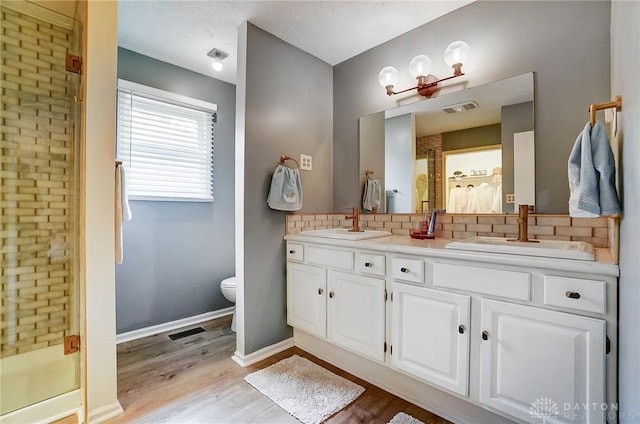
x: 194, y: 380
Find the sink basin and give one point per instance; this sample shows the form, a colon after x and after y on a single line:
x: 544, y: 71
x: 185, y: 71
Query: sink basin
x: 546, y: 248
x: 345, y: 234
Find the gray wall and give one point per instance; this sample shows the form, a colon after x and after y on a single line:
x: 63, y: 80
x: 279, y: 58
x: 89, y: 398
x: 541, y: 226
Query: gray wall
x: 371, y: 156
x: 487, y: 135
x: 515, y: 118
x: 625, y: 68
x: 565, y: 43
x: 176, y: 253
x: 288, y: 110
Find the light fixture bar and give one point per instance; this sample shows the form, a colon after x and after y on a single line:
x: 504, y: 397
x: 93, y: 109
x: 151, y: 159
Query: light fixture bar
x: 424, y: 89
x: 454, y: 56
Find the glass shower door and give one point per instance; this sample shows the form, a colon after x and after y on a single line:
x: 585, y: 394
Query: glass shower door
x: 39, y: 203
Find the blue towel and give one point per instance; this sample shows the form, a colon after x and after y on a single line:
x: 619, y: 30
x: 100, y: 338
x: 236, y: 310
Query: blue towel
x: 285, y: 193
x: 592, y: 172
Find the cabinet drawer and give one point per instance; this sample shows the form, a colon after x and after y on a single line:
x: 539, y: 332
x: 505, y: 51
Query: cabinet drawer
x: 575, y: 293
x: 295, y: 251
x: 370, y: 264
x: 497, y: 282
x: 334, y: 258
x: 407, y: 269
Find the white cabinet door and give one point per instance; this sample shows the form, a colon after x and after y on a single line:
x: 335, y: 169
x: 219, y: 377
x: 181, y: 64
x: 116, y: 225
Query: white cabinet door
x: 541, y: 365
x: 430, y: 336
x: 306, y: 298
x: 356, y: 309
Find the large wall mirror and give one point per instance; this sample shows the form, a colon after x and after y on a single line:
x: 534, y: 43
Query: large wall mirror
x: 470, y: 151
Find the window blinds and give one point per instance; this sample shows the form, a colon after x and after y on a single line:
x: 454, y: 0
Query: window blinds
x: 166, y: 147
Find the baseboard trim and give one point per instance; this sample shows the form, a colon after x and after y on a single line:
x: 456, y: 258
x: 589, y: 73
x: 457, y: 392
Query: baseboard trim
x: 172, y: 325
x: 48, y: 410
x: 105, y: 413
x: 264, y: 353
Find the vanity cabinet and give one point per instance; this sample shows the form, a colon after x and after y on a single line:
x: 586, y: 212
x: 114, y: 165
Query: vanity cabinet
x: 345, y: 308
x: 430, y: 335
x: 530, y: 355
x: 513, y: 336
x: 356, y: 313
x: 306, y: 298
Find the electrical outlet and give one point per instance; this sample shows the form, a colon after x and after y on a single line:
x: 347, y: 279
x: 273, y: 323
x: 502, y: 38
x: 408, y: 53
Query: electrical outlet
x: 511, y: 198
x: 305, y: 162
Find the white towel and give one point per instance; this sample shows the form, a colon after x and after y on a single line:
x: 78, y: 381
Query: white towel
x: 372, y: 195
x: 122, y: 210
x: 285, y: 193
x: 592, y: 173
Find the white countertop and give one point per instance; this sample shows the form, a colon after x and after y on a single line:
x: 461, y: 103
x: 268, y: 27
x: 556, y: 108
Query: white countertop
x: 603, y: 264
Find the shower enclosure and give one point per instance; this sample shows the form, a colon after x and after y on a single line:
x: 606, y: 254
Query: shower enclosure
x: 39, y: 202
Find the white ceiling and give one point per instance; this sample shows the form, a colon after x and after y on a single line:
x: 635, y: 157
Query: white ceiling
x: 181, y: 32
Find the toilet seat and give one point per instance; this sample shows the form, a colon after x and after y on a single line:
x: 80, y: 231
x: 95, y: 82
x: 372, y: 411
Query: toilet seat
x: 228, y: 282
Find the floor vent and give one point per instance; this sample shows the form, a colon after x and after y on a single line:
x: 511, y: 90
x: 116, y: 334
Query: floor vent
x: 186, y: 333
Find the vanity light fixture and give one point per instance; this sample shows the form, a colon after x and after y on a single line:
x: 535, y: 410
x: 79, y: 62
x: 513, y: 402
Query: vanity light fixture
x: 454, y: 56
x: 218, y: 56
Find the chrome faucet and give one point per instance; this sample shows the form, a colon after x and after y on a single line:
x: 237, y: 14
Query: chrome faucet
x: 523, y: 225
x: 356, y: 220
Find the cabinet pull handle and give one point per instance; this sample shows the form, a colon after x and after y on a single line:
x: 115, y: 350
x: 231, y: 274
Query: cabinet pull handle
x: 461, y: 329
x: 320, y: 291
x: 292, y: 252
x: 332, y: 294
x: 485, y: 335
x: 572, y: 295
x: 368, y: 264
x: 403, y: 269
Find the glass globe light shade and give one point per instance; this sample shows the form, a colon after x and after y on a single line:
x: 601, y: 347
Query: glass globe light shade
x: 217, y: 65
x: 388, y: 76
x: 420, y: 66
x: 456, y: 53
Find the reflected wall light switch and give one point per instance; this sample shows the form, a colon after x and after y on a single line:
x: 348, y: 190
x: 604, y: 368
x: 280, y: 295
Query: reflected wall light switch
x: 305, y: 162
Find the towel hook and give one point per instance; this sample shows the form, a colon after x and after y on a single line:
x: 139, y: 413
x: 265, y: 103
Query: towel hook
x: 368, y: 174
x: 285, y: 158
x: 617, y: 103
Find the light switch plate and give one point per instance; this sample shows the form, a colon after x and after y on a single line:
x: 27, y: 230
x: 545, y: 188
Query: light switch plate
x: 305, y: 162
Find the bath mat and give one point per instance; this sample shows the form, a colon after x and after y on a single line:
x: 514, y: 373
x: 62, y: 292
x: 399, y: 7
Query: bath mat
x: 402, y: 418
x: 303, y: 389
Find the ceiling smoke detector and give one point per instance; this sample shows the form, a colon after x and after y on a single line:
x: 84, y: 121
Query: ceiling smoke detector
x: 461, y: 107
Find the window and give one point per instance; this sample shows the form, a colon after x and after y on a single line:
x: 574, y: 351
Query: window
x: 165, y: 142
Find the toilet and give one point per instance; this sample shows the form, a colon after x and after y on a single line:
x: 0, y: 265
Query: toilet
x: 228, y: 287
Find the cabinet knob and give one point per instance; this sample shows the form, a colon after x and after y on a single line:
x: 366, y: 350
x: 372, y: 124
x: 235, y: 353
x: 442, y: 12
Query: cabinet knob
x: 320, y: 291
x: 461, y: 329
x: 332, y: 294
x: 403, y: 269
x: 485, y: 335
x: 572, y: 295
x: 368, y: 264
x: 292, y: 252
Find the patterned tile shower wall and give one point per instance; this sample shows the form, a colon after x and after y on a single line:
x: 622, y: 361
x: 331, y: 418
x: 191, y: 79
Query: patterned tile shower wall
x: 37, y: 183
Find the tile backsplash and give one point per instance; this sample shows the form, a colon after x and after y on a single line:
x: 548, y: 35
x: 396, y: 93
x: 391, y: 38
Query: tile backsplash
x: 600, y: 232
